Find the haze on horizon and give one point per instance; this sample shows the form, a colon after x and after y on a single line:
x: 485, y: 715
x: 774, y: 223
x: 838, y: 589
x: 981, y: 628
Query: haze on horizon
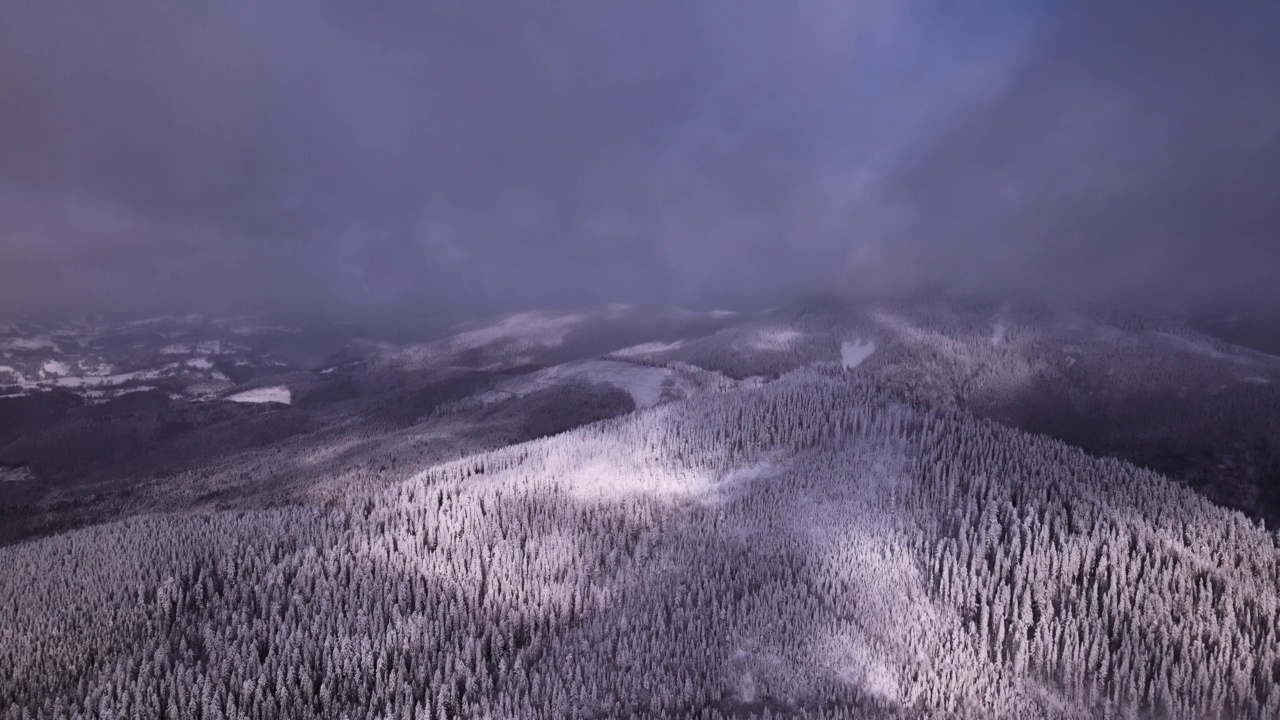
x: 294, y: 156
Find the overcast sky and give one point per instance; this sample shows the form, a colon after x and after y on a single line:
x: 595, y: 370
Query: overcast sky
x: 393, y: 155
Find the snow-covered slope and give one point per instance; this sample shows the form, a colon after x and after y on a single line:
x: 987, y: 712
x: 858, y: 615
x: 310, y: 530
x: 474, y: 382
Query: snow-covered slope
x: 272, y: 394
x: 816, y: 547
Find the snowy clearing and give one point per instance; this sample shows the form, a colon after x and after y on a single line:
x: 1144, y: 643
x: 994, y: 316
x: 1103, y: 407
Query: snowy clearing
x: 273, y: 394
x: 855, y: 352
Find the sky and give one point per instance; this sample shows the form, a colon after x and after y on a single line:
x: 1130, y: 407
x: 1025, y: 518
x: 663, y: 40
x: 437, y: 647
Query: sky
x: 449, y: 156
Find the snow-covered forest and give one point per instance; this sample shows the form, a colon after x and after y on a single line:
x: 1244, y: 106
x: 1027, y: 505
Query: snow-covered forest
x: 823, y: 546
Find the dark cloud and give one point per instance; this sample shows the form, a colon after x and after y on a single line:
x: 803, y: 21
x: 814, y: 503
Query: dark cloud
x: 393, y: 154
x: 1134, y: 156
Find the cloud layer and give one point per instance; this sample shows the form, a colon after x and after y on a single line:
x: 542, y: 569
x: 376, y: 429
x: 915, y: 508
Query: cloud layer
x: 433, y: 156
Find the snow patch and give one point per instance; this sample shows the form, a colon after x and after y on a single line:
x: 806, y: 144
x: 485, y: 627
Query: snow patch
x: 273, y: 394
x: 54, y: 367
x: 201, y: 363
x: 855, y: 352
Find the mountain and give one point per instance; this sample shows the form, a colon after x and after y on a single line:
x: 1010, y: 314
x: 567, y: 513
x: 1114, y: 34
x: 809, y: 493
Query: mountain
x: 822, y: 510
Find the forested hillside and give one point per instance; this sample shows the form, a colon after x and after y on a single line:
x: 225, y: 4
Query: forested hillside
x: 1145, y: 389
x: 820, y: 546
